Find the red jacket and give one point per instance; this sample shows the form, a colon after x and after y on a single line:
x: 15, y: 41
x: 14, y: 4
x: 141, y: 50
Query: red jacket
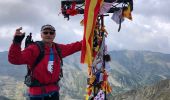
x: 41, y: 73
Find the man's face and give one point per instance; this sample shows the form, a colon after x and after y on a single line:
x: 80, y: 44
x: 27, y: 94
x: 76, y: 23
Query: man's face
x: 48, y: 35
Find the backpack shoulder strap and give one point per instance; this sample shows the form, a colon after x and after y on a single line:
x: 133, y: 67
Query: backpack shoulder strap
x: 40, y: 45
x: 59, y: 53
x: 60, y: 56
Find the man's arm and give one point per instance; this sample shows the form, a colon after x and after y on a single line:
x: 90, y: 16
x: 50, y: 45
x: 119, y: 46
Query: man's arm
x: 15, y: 55
x: 69, y: 49
x: 18, y: 57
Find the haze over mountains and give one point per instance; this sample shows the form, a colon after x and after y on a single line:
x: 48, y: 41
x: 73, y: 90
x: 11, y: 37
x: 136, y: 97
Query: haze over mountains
x: 130, y: 70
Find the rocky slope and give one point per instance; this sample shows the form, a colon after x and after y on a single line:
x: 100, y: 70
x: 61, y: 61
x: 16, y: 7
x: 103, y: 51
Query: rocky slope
x: 159, y: 91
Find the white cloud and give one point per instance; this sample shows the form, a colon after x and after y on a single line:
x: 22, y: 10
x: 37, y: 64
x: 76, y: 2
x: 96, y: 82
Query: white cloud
x: 78, y: 32
x: 149, y: 29
x: 6, y: 32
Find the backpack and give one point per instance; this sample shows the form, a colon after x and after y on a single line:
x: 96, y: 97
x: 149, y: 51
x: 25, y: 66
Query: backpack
x: 30, y: 81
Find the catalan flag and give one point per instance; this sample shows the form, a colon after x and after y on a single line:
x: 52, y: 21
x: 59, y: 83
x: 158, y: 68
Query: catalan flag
x: 91, y: 11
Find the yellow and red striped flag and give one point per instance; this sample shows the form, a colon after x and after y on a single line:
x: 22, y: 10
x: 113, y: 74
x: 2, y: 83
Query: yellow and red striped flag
x: 91, y: 11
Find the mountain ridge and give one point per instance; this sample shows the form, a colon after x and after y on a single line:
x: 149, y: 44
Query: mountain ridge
x: 131, y: 69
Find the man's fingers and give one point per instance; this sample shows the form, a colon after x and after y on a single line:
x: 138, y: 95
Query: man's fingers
x: 19, y: 33
x: 18, y: 29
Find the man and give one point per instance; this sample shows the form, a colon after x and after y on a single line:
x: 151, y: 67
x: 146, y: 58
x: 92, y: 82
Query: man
x: 47, y: 71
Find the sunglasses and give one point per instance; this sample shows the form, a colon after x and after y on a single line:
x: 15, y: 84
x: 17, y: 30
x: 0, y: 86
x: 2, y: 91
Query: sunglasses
x: 51, y: 33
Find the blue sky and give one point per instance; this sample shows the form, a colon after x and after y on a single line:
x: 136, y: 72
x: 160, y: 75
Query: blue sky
x: 149, y: 29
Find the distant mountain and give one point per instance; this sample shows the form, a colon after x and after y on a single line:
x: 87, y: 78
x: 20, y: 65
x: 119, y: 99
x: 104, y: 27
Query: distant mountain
x: 130, y: 70
x: 158, y: 91
x: 133, y: 69
x: 7, y: 69
x: 3, y: 98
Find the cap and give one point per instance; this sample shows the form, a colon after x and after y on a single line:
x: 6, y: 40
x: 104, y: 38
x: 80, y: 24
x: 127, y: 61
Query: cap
x: 44, y: 27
